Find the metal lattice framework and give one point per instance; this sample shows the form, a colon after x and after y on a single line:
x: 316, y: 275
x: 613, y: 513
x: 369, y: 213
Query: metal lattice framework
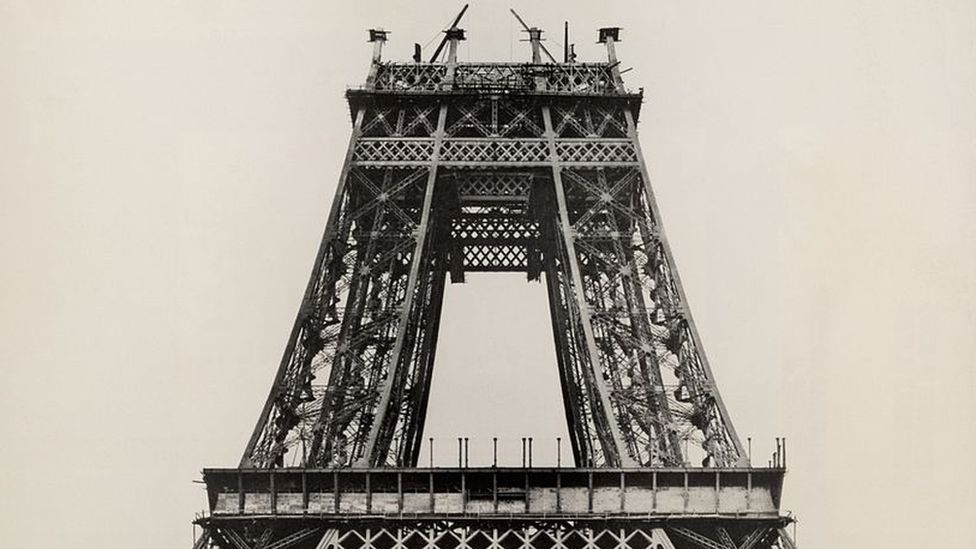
x: 537, y: 535
x: 494, y: 167
x: 575, y: 78
x: 482, y: 181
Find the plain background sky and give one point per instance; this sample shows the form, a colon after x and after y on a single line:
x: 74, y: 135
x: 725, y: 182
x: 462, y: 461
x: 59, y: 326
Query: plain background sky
x: 166, y: 169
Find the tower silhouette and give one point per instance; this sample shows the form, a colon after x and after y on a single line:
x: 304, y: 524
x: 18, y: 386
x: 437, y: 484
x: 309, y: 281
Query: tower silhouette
x: 494, y: 167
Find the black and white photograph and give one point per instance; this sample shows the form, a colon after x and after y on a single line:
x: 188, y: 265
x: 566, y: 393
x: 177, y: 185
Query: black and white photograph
x: 487, y: 275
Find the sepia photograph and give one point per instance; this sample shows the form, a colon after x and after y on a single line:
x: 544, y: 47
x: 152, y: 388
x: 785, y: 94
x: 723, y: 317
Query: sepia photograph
x: 487, y: 275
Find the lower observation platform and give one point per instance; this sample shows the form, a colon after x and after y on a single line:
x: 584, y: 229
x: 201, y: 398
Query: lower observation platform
x: 495, y: 493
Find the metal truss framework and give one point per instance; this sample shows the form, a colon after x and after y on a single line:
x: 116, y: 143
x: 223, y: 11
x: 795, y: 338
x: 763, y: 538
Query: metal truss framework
x: 493, y: 167
x: 460, y: 534
x: 479, y: 180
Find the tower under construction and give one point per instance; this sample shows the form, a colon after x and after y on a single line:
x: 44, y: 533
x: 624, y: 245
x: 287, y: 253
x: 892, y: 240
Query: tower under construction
x: 456, y: 168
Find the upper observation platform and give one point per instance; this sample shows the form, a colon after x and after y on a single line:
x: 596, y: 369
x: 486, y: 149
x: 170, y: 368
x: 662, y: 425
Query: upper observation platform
x: 544, y: 75
x: 562, y: 78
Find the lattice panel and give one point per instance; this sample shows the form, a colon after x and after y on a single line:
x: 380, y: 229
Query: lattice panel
x: 596, y: 151
x: 393, y: 150
x: 581, y: 78
x: 494, y: 76
x: 590, y: 78
x: 520, y: 151
x: 460, y: 537
x: 411, y: 77
x: 501, y: 152
x: 501, y: 258
x: 494, y: 116
x: 493, y: 185
x: 588, y: 119
x: 490, y: 228
x: 400, y: 120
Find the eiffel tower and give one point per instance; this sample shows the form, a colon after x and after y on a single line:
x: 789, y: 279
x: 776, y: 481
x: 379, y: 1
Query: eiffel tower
x: 534, y: 168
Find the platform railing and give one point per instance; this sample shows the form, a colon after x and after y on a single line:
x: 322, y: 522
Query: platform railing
x: 579, y: 78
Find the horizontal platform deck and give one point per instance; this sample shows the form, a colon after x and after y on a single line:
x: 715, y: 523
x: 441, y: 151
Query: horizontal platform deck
x: 496, y: 492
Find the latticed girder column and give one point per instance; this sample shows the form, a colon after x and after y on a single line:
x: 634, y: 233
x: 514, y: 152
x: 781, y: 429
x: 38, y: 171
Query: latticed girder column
x: 363, y: 344
x: 400, y: 394
x: 611, y: 450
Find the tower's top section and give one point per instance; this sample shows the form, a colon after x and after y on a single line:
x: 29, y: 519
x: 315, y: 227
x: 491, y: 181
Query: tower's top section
x: 544, y: 74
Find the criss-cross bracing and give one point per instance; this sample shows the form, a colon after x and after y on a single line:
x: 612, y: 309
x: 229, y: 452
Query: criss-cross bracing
x: 493, y: 167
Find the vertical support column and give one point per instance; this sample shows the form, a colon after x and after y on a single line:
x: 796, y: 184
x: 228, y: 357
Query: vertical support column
x: 742, y: 459
x: 582, y: 452
x: 249, y: 459
x: 373, y: 454
x: 609, y: 36
x: 385, y: 419
x: 612, y: 442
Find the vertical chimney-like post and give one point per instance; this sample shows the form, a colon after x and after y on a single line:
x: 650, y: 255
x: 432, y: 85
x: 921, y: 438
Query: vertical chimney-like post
x: 565, y: 41
x: 610, y: 36
x: 431, y: 439
x: 459, y: 453
x: 465, y: 452
x: 523, y: 452
x: 530, y: 451
x: 559, y: 452
x: 494, y: 451
x: 378, y: 38
x: 454, y: 35
x: 535, y: 38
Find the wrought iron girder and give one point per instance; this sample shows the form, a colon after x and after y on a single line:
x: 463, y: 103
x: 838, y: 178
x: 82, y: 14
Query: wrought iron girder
x: 592, y: 438
x: 493, y: 152
x: 583, y: 118
x: 494, y: 186
x: 393, y: 391
x: 465, y: 534
x: 618, y: 242
x: 750, y: 537
x: 262, y: 536
x: 494, y: 116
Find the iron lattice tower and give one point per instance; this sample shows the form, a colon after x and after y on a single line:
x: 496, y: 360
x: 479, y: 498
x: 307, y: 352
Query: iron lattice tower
x: 494, y: 167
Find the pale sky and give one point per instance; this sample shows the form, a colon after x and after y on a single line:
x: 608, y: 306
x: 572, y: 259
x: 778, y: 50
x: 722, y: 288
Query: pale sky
x: 166, y: 171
